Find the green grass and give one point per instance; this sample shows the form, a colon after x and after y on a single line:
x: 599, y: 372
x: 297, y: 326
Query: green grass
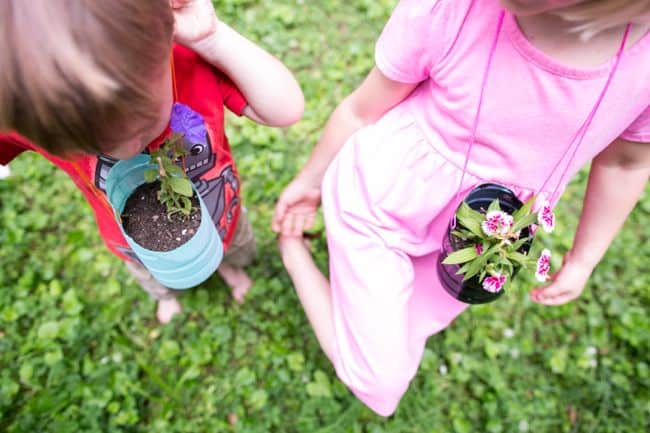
x: 80, y: 350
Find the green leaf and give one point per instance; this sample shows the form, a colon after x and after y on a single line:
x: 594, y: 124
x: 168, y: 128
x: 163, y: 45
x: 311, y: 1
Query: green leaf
x: 524, y: 222
x: 258, y: 399
x: 490, y: 252
x: 245, y: 377
x: 477, y: 265
x: 150, y: 175
x: 466, y: 212
x: 473, y: 269
x: 169, y: 349
x: 25, y: 373
x: 463, y: 268
x: 53, y: 357
x: 462, y: 234
x: 470, y: 219
x: 49, y: 330
x: 492, y: 349
x: 522, y: 259
x: 175, y: 171
x: 320, y: 387
x: 181, y: 186
x: 473, y: 226
x: 461, y: 256
x: 71, y: 304
x: 168, y: 165
x: 296, y: 361
x: 525, y: 209
x: 502, y: 265
x: 494, y: 205
x: 519, y: 243
x: 315, y: 389
x: 559, y: 360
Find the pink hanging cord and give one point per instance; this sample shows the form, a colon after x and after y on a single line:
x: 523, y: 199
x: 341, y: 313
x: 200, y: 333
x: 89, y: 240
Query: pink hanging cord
x: 577, y: 139
x: 580, y: 135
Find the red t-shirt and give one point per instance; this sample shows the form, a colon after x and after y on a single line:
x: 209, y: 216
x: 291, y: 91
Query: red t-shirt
x: 201, y: 90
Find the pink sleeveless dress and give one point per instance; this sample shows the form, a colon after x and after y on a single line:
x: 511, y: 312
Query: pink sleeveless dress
x: 388, y: 194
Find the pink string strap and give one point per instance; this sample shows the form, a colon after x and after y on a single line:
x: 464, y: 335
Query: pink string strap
x: 577, y: 139
x: 580, y: 135
x: 486, y: 74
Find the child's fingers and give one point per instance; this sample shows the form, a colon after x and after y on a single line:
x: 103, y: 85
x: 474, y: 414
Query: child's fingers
x: 287, y: 224
x: 553, y: 294
x: 278, y: 216
x: 310, y: 221
x: 298, y: 225
x: 560, y: 299
x: 538, y: 294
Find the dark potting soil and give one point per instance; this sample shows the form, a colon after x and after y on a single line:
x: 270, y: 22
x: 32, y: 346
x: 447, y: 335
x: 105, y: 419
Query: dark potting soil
x: 145, y: 219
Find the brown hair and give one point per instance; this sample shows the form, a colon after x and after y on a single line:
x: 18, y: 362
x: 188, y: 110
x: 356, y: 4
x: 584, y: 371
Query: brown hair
x: 594, y: 16
x: 73, y: 71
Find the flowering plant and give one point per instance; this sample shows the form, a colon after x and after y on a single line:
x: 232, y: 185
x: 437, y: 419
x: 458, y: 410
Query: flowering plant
x: 494, y: 244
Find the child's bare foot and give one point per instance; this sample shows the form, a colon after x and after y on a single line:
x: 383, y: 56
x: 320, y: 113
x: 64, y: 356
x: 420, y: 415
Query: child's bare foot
x: 167, y: 309
x: 237, y: 280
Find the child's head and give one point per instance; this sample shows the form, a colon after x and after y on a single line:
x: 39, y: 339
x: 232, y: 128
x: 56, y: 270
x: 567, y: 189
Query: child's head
x: 85, y: 75
x: 590, y: 16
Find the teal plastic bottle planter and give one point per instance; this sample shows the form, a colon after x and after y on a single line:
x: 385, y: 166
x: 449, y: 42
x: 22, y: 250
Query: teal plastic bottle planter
x: 184, y: 267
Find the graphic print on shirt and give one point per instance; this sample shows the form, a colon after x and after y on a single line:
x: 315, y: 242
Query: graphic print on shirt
x: 220, y: 193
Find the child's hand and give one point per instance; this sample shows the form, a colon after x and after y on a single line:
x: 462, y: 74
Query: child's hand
x: 566, y: 285
x: 296, y: 208
x: 195, y: 20
x: 272, y: 94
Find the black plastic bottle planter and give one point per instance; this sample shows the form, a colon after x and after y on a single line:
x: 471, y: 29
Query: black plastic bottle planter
x: 471, y: 291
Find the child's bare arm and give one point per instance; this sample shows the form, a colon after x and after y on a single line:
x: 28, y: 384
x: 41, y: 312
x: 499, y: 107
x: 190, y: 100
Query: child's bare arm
x: 371, y: 100
x: 273, y: 95
x: 376, y: 95
x: 617, y: 180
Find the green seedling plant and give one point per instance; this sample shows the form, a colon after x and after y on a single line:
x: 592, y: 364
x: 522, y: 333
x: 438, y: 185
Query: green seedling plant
x: 175, y: 187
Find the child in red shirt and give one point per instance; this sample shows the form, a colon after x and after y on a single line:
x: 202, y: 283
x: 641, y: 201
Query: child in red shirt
x: 118, y: 94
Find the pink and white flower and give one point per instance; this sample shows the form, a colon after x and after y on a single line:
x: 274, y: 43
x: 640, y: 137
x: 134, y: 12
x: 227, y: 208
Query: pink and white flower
x: 494, y: 283
x: 497, y: 223
x: 543, y: 266
x: 546, y: 217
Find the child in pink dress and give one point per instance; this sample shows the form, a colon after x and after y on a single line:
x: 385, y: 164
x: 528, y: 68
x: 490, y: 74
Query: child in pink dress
x: 395, y: 151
